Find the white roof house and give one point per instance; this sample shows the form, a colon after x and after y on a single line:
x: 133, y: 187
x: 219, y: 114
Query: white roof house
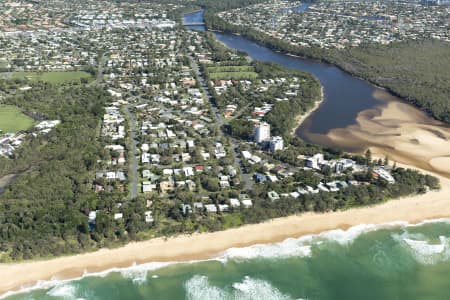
x: 211, y: 208
x: 92, y: 216
x: 235, y: 202
x: 148, y: 216
x: 147, y: 187
x: 247, y: 203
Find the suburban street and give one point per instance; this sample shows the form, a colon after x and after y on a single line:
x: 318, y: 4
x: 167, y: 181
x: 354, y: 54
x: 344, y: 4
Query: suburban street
x: 101, y: 64
x: 132, y: 157
x: 246, y: 178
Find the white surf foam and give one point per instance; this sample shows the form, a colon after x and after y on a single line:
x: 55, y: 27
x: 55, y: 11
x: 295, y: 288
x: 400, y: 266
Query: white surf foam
x: 138, y: 273
x: 251, y: 288
x: 56, y: 285
x: 199, y: 288
x: 39, y: 285
x: 290, y: 247
x: 302, y: 247
x: 423, y: 250
x: 348, y: 236
x: 64, y: 291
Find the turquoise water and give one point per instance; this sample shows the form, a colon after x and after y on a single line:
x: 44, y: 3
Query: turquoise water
x: 393, y: 261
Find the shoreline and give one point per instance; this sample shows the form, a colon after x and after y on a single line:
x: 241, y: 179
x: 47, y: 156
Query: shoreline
x: 400, y: 131
x: 186, y: 248
x: 299, y: 119
x: 327, y: 61
x: 202, y: 246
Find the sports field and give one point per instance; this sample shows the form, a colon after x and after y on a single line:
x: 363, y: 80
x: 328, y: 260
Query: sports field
x: 232, y: 72
x: 233, y: 75
x: 52, y: 77
x: 13, y: 120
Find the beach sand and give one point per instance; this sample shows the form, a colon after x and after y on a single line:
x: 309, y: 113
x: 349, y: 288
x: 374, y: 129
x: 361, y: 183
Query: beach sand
x: 302, y: 117
x: 432, y: 205
x: 404, y: 133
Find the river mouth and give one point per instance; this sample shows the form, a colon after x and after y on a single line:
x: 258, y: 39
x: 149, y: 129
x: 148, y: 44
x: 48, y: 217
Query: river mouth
x: 355, y: 115
x: 395, y: 129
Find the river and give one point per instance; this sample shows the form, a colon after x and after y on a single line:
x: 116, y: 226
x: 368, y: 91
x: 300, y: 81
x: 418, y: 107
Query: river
x: 344, y: 95
x: 356, y: 115
x: 391, y: 261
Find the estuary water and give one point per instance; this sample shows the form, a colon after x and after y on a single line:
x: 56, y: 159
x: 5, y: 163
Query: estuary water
x: 344, y: 95
x: 356, y: 115
x: 391, y: 261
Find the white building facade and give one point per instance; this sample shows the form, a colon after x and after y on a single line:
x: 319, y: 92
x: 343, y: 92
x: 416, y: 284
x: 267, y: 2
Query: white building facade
x: 262, y: 132
x: 276, y: 143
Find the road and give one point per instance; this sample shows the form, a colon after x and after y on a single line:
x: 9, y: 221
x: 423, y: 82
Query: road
x: 133, y: 161
x: 101, y: 64
x: 246, y: 178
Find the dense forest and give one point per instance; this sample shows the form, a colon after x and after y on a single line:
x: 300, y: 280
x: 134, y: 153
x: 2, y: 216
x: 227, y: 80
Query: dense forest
x: 216, y: 6
x: 414, y: 70
x: 417, y: 71
x: 44, y: 212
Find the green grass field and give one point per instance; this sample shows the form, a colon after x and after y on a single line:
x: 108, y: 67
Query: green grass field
x: 52, y: 77
x: 233, y: 75
x: 13, y: 120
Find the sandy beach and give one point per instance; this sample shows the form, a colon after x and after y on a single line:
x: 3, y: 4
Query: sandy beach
x: 404, y: 133
x: 203, y: 246
x: 399, y: 130
x: 301, y: 118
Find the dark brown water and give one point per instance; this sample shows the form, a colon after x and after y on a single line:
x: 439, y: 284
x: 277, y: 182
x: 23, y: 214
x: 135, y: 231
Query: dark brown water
x: 345, y: 96
x: 355, y: 115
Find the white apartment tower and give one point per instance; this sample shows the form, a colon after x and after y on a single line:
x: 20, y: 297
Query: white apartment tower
x: 276, y: 143
x: 262, y: 132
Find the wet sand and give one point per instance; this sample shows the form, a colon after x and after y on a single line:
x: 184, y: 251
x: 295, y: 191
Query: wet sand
x: 302, y: 117
x: 402, y: 132
x: 413, y: 209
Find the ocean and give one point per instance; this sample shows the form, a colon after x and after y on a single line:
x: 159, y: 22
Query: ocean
x: 391, y: 261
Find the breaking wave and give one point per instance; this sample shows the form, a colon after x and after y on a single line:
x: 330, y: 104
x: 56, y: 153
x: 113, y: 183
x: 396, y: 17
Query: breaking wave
x: 289, y: 247
x: 138, y: 273
x: 64, y: 291
x: 423, y: 250
x: 302, y: 247
x: 199, y: 288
